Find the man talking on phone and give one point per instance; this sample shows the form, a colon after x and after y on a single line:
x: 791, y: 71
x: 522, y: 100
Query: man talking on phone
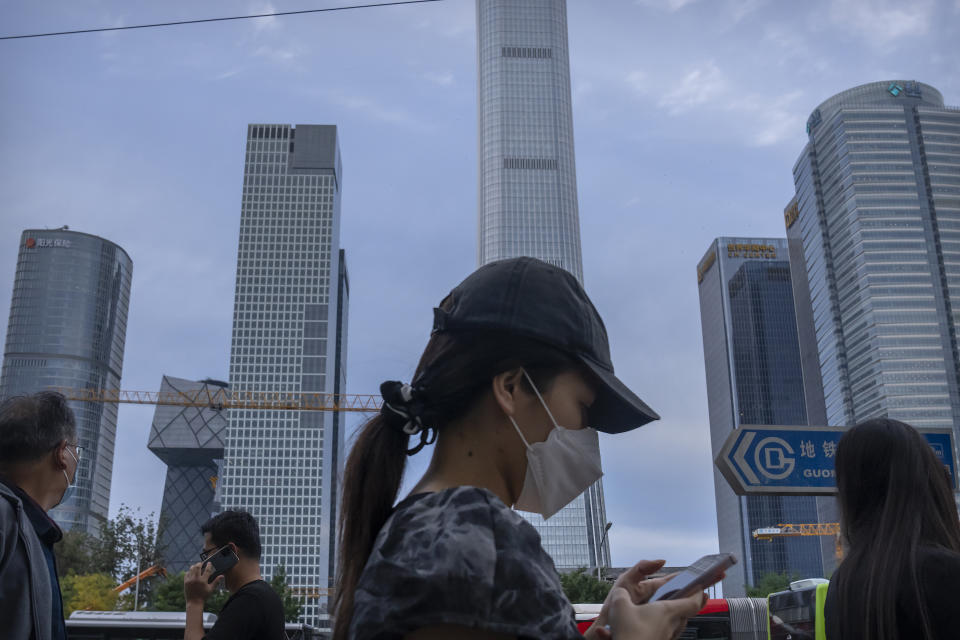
x: 231, y: 554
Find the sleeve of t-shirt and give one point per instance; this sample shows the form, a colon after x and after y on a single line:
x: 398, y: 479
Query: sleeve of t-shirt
x: 239, y: 620
x: 434, y: 565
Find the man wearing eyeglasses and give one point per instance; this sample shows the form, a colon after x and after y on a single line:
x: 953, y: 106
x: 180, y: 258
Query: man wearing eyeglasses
x: 39, y: 458
x: 231, y: 554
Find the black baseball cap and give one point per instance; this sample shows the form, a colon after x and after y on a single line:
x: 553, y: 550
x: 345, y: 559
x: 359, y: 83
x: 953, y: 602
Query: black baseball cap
x: 529, y: 297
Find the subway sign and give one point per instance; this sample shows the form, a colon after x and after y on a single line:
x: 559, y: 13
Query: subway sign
x: 799, y: 460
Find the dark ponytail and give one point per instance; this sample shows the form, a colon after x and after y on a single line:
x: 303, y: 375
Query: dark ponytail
x: 453, y: 374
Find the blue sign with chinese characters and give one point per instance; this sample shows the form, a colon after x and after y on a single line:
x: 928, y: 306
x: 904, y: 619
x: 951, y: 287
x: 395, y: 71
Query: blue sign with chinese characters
x: 799, y: 460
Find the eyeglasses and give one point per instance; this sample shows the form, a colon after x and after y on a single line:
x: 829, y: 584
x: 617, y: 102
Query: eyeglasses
x: 76, y: 446
x: 206, y: 553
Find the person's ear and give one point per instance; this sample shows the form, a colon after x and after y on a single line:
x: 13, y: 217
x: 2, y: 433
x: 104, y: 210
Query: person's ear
x: 60, y: 456
x: 505, y: 387
x: 234, y: 548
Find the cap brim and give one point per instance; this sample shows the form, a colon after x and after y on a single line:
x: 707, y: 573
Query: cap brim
x: 616, y: 408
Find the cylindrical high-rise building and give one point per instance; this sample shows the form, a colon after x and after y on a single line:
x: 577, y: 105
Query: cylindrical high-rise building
x: 528, y: 193
x: 875, y: 246
x: 68, y: 322
x: 527, y: 176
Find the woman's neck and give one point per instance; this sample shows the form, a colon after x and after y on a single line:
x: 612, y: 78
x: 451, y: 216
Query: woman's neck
x: 475, y: 453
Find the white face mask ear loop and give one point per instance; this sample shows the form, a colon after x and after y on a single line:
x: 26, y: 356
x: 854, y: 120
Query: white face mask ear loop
x: 519, y: 433
x: 539, y: 397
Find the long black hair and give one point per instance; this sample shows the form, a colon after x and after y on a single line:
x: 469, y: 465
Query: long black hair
x: 895, y: 498
x: 454, y: 372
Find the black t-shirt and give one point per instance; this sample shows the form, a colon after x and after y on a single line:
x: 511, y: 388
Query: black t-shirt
x: 939, y: 571
x: 459, y: 557
x: 254, y: 612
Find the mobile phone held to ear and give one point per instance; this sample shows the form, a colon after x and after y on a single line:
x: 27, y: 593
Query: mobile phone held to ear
x: 703, y: 573
x: 222, y: 561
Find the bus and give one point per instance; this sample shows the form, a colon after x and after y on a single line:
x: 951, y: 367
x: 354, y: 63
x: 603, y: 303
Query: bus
x: 154, y: 625
x: 797, y: 613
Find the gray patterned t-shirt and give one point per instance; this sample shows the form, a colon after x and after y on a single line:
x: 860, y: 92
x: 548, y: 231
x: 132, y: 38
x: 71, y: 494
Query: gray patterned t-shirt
x: 460, y: 557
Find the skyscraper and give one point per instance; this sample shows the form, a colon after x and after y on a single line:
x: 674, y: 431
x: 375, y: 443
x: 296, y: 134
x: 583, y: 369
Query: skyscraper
x: 874, y: 233
x: 68, y: 322
x: 752, y: 360
x: 289, y: 335
x: 527, y: 176
x: 190, y: 441
x: 528, y: 192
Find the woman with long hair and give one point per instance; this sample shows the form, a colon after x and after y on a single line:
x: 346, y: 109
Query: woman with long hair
x: 517, y: 367
x: 900, y: 578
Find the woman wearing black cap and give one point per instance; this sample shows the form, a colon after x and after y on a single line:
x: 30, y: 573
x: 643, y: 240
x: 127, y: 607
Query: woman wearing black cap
x: 517, y: 367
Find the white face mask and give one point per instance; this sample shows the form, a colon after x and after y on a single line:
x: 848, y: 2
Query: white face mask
x: 71, y: 484
x: 559, y: 468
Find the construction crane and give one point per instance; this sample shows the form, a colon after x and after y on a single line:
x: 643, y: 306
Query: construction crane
x: 146, y: 573
x: 219, y: 398
x: 312, y: 593
x: 793, y: 530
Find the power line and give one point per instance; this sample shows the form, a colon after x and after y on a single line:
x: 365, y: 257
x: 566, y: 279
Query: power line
x: 179, y: 22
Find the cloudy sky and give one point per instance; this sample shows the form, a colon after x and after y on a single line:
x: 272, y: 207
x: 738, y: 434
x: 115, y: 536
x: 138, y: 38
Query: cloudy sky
x: 688, y: 117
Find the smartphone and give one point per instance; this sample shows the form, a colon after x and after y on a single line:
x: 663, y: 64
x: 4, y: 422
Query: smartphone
x: 703, y: 573
x: 222, y: 561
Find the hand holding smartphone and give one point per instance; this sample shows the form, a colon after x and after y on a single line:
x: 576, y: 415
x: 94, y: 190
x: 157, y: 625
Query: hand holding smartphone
x: 703, y: 573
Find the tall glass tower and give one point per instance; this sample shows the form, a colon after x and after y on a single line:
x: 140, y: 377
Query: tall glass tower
x: 874, y: 232
x: 752, y: 359
x: 528, y: 192
x: 289, y: 335
x: 527, y: 177
x: 68, y: 322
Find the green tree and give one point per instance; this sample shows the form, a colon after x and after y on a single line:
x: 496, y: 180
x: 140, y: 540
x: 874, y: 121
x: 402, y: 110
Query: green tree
x: 583, y: 587
x: 75, y: 553
x: 93, y: 591
x: 771, y: 583
x: 114, y: 553
x: 168, y: 594
x: 120, y: 540
x: 291, y: 605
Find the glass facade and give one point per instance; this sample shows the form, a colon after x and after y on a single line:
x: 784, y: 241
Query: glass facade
x: 877, y: 236
x: 527, y: 177
x: 68, y: 322
x: 190, y: 441
x: 754, y: 377
x: 289, y: 336
x: 527, y: 193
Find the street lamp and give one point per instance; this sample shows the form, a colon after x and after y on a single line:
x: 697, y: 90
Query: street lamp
x: 136, y: 593
x: 606, y: 530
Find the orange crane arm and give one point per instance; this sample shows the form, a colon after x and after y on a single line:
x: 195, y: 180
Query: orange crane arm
x: 146, y: 573
x: 792, y: 530
x: 311, y: 593
x: 207, y: 398
x: 789, y: 530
